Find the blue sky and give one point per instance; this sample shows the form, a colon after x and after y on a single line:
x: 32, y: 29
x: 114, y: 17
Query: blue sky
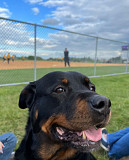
x: 25, y: 11
x: 103, y: 18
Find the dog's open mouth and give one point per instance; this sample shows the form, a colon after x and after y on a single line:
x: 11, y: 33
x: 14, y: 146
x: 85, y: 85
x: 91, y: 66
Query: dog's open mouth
x: 86, y: 140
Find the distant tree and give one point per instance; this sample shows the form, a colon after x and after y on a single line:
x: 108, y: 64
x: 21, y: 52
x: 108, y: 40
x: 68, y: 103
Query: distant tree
x: 115, y: 60
x: 32, y: 58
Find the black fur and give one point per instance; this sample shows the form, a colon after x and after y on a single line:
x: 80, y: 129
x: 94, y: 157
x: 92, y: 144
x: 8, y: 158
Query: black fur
x: 55, y: 96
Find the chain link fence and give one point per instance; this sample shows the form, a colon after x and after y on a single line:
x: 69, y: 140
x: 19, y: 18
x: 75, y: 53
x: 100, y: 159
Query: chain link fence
x: 28, y: 51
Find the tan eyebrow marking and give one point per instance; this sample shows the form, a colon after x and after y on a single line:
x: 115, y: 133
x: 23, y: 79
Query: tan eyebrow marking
x: 65, y: 81
x: 36, y: 114
x: 87, y: 79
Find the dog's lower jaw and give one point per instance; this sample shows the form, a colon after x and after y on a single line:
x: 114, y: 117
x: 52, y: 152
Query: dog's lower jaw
x: 55, y: 152
x: 48, y: 152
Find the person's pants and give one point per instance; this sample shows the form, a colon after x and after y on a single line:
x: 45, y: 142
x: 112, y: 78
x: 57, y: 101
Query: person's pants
x: 9, y: 140
x: 119, y: 143
x: 67, y: 62
x: 8, y: 60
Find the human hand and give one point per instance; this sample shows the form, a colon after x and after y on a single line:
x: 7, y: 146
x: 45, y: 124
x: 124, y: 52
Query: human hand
x: 1, y: 147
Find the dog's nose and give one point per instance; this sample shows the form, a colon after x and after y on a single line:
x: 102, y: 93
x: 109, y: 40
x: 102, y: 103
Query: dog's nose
x: 99, y: 103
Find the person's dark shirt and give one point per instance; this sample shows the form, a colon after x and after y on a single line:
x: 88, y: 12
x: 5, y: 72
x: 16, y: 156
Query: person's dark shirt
x: 66, y: 53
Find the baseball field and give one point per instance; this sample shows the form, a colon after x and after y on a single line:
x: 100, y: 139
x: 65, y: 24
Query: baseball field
x: 48, y: 64
x: 14, y: 119
x: 23, y: 71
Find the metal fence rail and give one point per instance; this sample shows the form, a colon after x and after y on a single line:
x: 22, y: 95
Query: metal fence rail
x: 36, y: 49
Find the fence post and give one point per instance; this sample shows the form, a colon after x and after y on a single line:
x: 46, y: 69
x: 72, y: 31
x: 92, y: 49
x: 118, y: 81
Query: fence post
x: 127, y: 60
x: 35, y: 52
x: 95, y: 56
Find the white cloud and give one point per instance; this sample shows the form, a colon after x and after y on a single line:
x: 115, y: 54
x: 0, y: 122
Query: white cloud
x: 50, y: 21
x: 99, y: 18
x: 35, y: 10
x: 18, y: 38
x: 34, y: 1
x: 53, y: 3
x: 107, y: 18
x: 4, y: 12
x: 15, y: 36
x: 16, y: 52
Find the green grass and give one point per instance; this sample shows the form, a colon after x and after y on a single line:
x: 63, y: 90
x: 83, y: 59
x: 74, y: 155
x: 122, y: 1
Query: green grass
x: 26, y: 75
x: 117, y: 89
x: 13, y: 119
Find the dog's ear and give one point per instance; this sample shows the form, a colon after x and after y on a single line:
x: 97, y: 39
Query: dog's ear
x: 27, y: 96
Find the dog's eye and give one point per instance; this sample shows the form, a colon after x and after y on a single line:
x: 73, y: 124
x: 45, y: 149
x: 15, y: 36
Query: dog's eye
x: 59, y: 90
x: 92, y: 88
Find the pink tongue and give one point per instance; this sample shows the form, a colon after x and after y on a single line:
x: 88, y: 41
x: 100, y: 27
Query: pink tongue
x: 93, y: 134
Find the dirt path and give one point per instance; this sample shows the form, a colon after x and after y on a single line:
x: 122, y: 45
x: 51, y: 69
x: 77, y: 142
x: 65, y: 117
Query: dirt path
x: 48, y: 64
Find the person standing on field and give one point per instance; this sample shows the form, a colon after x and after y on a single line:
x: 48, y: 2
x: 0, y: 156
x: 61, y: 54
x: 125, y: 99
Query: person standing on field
x: 8, y: 58
x: 23, y: 58
x: 66, y: 57
x: 13, y: 58
x: 4, y: 58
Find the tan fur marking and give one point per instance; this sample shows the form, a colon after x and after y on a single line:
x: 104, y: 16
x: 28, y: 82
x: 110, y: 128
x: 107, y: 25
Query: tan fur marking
x: 58, y: 119
x: 36, y: 114
x: 82, y: 118
x: 87, y: 79
x: 81, y: 105
x: 48, y: 150
x: 108, y: 118
x: 46, y: 126
x: 81, y: 108
x: 65, y: 81
x: 65, y: 154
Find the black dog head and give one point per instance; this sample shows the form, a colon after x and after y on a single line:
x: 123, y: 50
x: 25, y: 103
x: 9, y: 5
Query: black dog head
x: 64, y: 108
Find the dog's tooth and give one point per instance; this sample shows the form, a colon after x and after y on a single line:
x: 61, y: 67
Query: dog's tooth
x: 83, y: 135
x: 84, y: 145
x: 92, y: 142
x: 59, y: 130
x: 87, y: 143
x: 79, y: 133
x: 60, y: 137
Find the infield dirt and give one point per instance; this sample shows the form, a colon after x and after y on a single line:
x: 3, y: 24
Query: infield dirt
x: 48, y: 64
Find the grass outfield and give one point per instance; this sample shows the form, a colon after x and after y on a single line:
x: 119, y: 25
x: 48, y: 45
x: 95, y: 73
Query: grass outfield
x: 26, y: 75
x: 13, y: 119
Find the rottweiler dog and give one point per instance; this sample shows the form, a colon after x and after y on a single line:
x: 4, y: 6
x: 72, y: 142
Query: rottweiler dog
x: 65, y: 118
